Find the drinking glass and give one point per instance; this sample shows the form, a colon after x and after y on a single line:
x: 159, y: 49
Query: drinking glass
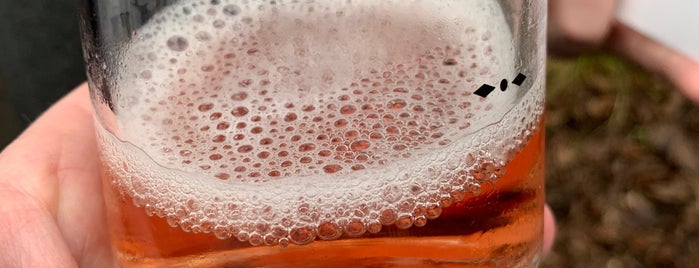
x: 313, y: 133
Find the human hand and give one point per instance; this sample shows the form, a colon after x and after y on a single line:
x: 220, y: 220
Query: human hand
x: 577, y: 26
x: 51, y: 207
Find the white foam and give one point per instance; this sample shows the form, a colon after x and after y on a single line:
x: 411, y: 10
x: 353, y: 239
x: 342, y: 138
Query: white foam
x: 326, y: 55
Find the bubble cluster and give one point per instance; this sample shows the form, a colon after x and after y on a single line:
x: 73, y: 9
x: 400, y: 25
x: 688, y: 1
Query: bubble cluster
x: 277, y: 123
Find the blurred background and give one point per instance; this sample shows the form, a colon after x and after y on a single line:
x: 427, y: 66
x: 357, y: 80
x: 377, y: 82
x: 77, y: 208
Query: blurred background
x: 40, y: 59
x: 622, y: 144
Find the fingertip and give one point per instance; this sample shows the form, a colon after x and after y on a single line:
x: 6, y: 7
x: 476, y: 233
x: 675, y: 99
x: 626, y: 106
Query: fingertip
x: 549, y: 230
x: 686, y: 78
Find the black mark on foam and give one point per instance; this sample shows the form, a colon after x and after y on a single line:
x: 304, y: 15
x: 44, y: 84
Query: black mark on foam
x: 486, y: 89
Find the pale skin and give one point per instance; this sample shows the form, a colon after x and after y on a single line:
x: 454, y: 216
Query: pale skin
x: 51, y: 206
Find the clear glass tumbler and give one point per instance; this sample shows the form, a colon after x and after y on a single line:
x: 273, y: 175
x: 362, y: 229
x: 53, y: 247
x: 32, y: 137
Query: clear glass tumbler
x: 313, y: 133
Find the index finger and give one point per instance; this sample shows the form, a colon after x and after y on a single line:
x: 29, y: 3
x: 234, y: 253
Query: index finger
x: 678, y: 68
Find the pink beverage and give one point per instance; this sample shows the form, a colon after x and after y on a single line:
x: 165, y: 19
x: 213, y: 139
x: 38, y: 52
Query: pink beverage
x: 320, y: 133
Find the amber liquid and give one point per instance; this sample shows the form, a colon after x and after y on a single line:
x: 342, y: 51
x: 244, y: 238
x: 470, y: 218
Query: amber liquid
x: 500, y: 227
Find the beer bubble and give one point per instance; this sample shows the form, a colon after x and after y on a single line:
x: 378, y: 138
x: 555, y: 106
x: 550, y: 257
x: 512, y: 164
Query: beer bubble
x: 388, y: 217
x: 325, y: 153
x: 376, y: 136
x: 360, y: 145
x: 307, y: 147
x: 245, y: 82
x: 172, y: 221
x: 239, y: 96
x: 284, y: 242
x: 207, y: 68
x: 335, y: 168
x: 445, y: 201
x: 186, y: 226
x: 433, y: 212
x: 206, y: 227
x: 348, y: 109
x: 177, y: 43
x: 358, y: 167
x: 355, y: 228
x: 290, y: 117
x: 255, y: 239
x: 302, y: 235
x: 449, y: 62
x: 231, y: 10
x: 373, y: 227
x: 266, y: 141
x: 205, y: 107
x: 223, y: 126
x: 352, y: 134
x: 185, y: 153
x: 404, y: 222
x: 222, y: 232
x: 202, y: 36
x: 392, y: 130
x: 256, y: 130
x: 332, y: 168
x: 211, y: 12
x: 340, y: 123
x: 420, y: 221
x: 245, y: 149
x: 215, y: 116
x: 242, y: 236
x: 399, y: 147
x: 218, y: 24
x: 240, y: 111
x: 329, y: 231
x: 147, y: 74
x: 270, y: 240
x: 219, y: 138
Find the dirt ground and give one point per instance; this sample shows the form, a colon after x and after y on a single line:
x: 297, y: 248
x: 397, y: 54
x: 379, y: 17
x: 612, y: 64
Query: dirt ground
x: 622, y: 167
